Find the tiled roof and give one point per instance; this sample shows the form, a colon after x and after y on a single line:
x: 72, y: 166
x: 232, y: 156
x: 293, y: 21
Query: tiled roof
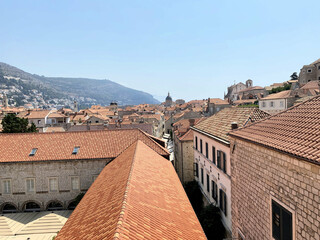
x: 218, y: 101
x: 279, y: 95
x: 219, y: 124
x: 59, y: 146
x: 37, y: 114
x: 311, y: 85
x: 295, y: 131
x: 56, y: 115
x: 251, y: 88
x: 315, y: 62
x: 136, y: 196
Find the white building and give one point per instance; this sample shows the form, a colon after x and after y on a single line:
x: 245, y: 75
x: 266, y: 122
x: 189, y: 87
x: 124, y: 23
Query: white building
x: 212, y: 166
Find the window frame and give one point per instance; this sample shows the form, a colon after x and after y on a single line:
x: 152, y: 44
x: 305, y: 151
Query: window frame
x: 49, y: 186
x: 75, y: 177
x: 214, y: 193
x: 3, y: 186
x: 196, y: 169
x: 214, y: 155
x: 207, y: 150
x: 286, y: 209
x: 196, y: 141
x: 202, y: 180
x: 223, y: 201
x: 201, y: 146
x: 34, y: 185
x: 208, y: 184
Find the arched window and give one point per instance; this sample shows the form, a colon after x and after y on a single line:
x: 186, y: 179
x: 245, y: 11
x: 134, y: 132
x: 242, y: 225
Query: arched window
x: 32, y: 207
x: 54, y: 206
x: 72, y: 205
x: 9, y: 208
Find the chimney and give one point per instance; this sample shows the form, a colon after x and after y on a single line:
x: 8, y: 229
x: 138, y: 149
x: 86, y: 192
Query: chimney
x: 234, y: 125
x: 191, y: 122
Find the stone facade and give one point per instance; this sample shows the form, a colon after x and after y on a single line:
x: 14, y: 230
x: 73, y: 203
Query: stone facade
x: 260, y: 175
x: 310, y: 73
x: 18, y: 173
x: 273, y: 106
x: 183, y: 159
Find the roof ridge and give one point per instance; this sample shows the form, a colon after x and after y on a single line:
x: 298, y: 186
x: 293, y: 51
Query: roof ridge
x: 264, y: 119
x: 116, y: 235
x: 146, y: 134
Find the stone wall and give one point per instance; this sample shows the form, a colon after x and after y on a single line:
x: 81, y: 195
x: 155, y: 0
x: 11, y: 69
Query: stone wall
x: 260, y: 175
x: 86, y: 170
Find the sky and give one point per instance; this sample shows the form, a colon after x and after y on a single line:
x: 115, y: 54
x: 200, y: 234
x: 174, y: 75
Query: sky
x: 194, y: 49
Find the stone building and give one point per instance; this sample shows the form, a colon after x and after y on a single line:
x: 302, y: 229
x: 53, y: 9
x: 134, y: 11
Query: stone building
x: 168, y: 102
x: 137, y: 196
x: 277, y: 102
x: 183, y: 148
x: 276, y: 176
x: 212, y: 165
x: 214, y: 105
x: 233, y: 91
x: 46, y: 171
x: 310, y: 72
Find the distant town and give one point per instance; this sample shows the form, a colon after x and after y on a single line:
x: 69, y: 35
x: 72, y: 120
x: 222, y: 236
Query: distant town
x: 111, y: 172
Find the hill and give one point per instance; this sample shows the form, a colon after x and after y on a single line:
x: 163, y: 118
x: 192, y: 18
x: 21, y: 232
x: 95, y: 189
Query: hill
x: 22, y: 87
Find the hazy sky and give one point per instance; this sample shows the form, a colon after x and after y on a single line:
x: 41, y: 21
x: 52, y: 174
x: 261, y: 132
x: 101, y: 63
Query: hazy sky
x: 194, y: 49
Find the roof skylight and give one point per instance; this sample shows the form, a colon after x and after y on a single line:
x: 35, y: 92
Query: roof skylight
x: 75, y: 150
x: 33, y: 151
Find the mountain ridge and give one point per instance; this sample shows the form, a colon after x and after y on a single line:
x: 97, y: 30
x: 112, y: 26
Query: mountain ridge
x: 55, y: 90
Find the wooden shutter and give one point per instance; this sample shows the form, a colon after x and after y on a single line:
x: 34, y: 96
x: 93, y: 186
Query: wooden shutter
x: 276, y: 221
x: 219, y: 159
x: 224, y: 162
x: 214, y: 155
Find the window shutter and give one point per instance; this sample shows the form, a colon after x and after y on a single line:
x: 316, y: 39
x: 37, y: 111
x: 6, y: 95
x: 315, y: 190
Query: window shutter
x: 214, y: 155
x: 220, y: 200
x: 225, y: 203
x: 275, y: 221
x: 224, y: 162
x: 219, y: 159
x: 286, y: 224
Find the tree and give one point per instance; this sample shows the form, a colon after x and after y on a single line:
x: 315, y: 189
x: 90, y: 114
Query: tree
x: 13, y: 124
x: 294, y: 76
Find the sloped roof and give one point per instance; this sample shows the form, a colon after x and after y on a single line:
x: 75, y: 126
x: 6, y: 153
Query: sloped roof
x: 59, y: 145
x: 251, y: 88
x: 136, y: 196
x: 56, y: 115
x: 218, y: 101
x: 279, y: 95
x: 317, y: 61
x: 311, y: 85
x: 219, y: 124
x: 38, y: 114
x: 295, y: 131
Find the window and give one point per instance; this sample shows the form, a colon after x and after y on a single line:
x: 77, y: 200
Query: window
x: 263, y: 104
x: 223, y: 201
x: 219, y: 159
x: 202, y: 176
x: 208, y: 183
x: 281, y: 104
x: 6, y: 186
x: 309, y: 70
x: 53, y: 184
x: 281, y: 222
x: 75, y: 150
x: 196, y: 140
x: 214, y: 190
x: 201, y: 145
x: 214, y: 155
x: 33, y: 151
x: 30, y: 186
x: 196, y: 169
x: 75, y: 183
x: 224, y: 162
x: 318, y: 67
x: 39, y: 121
x: 271, y: 104
x: 318, y: 78
x: 207, y: 150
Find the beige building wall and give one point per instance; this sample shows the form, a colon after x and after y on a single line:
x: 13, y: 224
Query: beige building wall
x: 17, y: 173
x: 183, y: 159
x: 273, y: 106
x: 223, y: 180
x: 260, y: 175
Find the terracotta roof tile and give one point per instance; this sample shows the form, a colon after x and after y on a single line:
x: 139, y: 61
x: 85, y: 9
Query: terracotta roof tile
x: 279, y: 95
x: 219, y: 124
x: 59, y: 145
x: 136, y: 196
x: 37, y: 114
x: 294, y: 131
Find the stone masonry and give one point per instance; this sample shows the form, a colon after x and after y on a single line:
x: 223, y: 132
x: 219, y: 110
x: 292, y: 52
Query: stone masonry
x: 259, y: 175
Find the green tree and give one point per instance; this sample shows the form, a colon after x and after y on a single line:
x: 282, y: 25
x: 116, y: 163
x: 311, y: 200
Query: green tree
x: 13, y: 124
x: 294, y: 76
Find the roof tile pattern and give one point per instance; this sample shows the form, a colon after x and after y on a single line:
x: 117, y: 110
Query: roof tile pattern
x: 136, y: 196
x: 219, y: 124
x: 59, y: 145
x: 295, y: 131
